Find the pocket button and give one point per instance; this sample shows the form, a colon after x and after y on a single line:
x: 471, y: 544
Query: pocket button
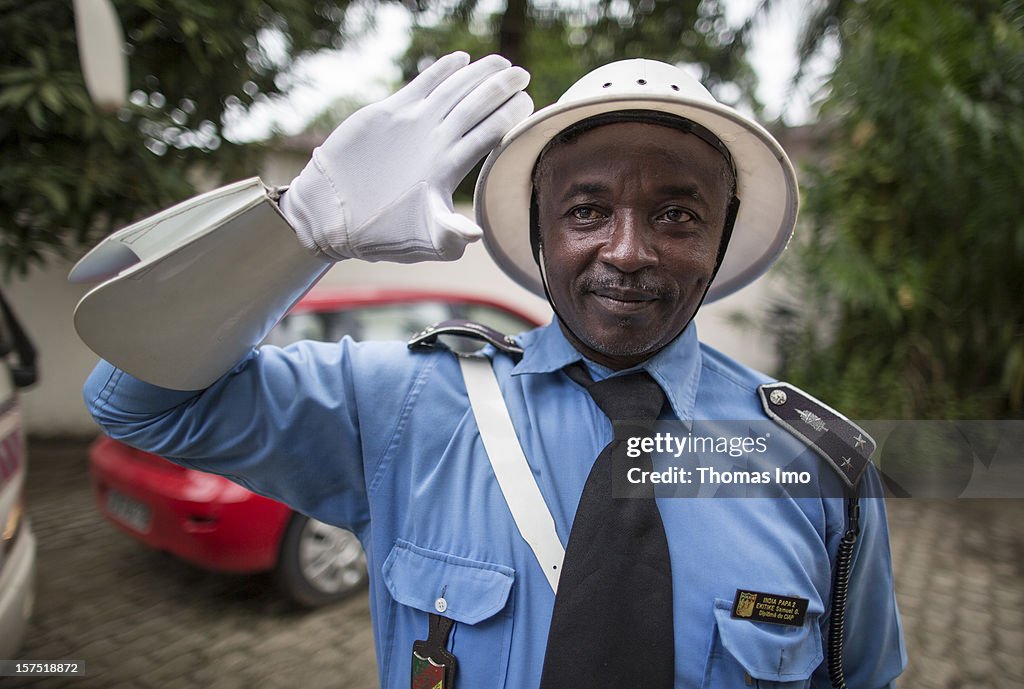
x: 440, y: 605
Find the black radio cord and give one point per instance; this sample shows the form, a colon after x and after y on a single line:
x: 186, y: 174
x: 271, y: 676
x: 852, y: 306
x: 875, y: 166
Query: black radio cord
x: 840, y: 591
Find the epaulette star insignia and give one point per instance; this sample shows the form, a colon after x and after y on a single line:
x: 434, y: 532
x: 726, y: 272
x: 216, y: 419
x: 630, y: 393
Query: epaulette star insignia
x: 842, y: 443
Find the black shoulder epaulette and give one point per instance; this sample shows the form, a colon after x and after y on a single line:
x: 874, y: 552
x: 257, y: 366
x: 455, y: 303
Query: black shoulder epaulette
x: 842, y: 443
x: 427, y: 337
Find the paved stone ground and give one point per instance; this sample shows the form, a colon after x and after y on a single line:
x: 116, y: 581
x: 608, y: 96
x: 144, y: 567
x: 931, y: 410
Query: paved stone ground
x: 959, y: 567
x: 142, y: 620
x: 139, y: 619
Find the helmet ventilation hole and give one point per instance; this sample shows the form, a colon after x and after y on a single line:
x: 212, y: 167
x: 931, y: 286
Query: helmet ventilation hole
x: 641, y: 81
x: 606, y: 84
x: 674, y: 87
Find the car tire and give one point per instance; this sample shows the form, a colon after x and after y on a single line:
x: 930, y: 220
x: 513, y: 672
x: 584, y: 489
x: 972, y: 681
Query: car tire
x: 319, y: 563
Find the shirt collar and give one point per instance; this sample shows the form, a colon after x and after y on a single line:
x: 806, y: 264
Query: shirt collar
x: 676, y: 368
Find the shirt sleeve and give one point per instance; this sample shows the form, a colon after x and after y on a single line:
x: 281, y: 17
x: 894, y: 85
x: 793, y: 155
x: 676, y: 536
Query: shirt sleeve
x: 874, y: 652
x: 285, y: 423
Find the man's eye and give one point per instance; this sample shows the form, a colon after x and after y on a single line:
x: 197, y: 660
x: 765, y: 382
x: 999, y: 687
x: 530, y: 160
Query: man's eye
x: 584, y: 213
x: 677, y: 215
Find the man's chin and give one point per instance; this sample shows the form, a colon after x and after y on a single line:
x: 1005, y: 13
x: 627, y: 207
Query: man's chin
x: 627, y: 350
x: 618, y: 340
x: 620, y: 352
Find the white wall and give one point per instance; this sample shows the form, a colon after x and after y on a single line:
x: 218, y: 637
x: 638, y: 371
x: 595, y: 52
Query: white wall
x: 45, y: 302
x: 748, y: 345
x: 476, y: 272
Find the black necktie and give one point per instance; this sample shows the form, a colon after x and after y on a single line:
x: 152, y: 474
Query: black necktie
x: 612, y: 621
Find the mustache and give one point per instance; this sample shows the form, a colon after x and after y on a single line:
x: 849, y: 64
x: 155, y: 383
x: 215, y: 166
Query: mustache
x: 641, y: 282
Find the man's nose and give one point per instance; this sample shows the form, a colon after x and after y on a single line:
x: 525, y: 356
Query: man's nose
x: 629, y: 246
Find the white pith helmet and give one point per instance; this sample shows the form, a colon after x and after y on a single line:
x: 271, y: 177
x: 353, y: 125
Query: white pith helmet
x: 765, y: 181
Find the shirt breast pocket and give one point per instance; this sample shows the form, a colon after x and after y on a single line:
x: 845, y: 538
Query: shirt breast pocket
x: 768, y: 656
x: 476, y: 594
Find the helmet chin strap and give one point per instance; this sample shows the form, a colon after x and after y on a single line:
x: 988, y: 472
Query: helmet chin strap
x: 538, y: 256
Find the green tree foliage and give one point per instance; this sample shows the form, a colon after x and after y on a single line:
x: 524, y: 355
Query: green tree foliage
x: 911, y: 267
x: 558, y: 42
x: 70, y: 173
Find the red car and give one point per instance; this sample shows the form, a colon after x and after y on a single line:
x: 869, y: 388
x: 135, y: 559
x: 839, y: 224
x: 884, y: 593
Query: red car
x: 218, y: 525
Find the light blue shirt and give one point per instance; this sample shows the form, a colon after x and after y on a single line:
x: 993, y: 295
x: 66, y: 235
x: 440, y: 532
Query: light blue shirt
x: 381, y: 440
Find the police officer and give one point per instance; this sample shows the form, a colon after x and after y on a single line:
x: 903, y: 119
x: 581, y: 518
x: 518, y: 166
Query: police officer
x: 500, y: 554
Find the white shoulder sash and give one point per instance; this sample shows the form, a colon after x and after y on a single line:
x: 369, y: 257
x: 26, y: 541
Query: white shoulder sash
x: 515, y: 477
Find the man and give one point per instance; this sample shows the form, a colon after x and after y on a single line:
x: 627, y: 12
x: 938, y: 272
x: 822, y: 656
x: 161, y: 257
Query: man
x: 501, y: 552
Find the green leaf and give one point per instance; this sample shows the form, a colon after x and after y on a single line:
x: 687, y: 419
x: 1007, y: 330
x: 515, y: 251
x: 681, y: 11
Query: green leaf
x: 51, y: 98
x: 16, y: 96
x: 35, y: 113
x: 53, y: 193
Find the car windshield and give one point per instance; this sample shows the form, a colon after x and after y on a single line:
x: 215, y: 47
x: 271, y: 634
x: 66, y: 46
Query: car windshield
x: 398, y: 321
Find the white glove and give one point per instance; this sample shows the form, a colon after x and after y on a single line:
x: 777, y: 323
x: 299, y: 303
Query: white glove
x: 380, y: 187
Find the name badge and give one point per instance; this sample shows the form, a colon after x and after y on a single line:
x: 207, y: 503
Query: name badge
x: 758, y: 606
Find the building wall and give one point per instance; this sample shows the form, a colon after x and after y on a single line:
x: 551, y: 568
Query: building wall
x: 45, y: 302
